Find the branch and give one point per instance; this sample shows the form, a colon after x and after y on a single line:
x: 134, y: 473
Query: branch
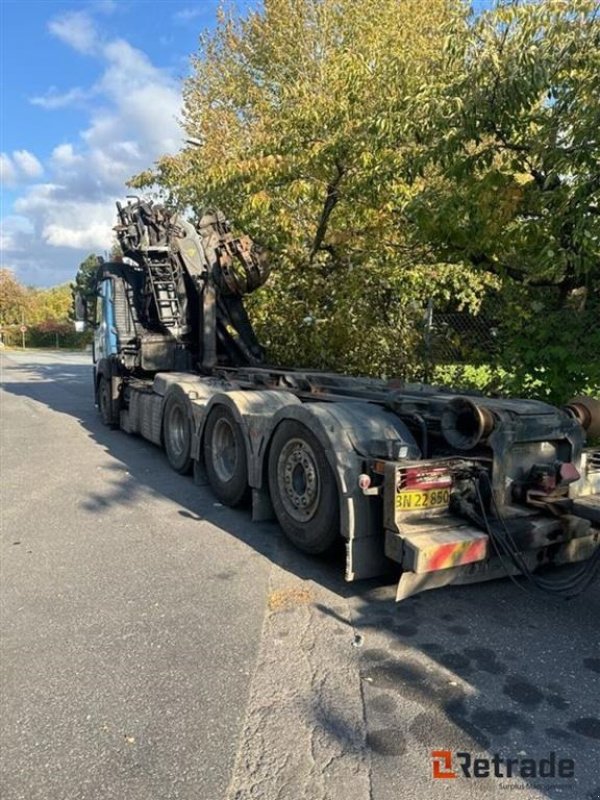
x: 481, y: 260
x: 331, y: 199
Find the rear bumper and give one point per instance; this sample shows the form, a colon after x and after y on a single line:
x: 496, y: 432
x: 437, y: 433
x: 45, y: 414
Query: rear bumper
x: 428, y: 544
x: 439, y: 550
x: 578, y: 549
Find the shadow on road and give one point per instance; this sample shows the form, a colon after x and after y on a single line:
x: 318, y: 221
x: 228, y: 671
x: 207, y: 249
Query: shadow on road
x: 491, y: 667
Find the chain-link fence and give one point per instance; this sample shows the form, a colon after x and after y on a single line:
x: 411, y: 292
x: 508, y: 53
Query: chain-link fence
x: 459, y: 338
x: 526, y: 341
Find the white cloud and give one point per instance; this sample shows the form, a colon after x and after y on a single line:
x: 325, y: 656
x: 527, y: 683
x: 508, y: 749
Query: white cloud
x: 189, y: 13
x: 36, y: 198
x: 132, y: 122
x: 95, y: 234
x: 64, y: 158
x: 21, y: 167
x: 54, y: 99
x: 8, y: 171
x: 27, y: 163
x: 105, y: 6
x: 77, y: 29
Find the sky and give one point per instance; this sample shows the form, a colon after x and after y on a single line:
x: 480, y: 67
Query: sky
x: 91, y: 94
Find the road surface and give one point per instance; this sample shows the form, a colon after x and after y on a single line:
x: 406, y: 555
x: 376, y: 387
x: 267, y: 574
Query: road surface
x: 156, y: 645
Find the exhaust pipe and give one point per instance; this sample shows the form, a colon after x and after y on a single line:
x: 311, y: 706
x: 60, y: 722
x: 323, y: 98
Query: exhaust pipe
x: 464, y: 423
x: 586, y: 410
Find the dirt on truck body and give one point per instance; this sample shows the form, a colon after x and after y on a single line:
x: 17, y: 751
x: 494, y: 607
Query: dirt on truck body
x: 446, y: 487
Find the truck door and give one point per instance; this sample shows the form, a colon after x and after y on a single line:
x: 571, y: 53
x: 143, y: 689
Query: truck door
x: 105, y: 333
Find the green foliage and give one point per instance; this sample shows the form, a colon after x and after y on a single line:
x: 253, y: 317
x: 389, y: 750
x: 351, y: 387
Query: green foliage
x: 393, y: 153
x: 45, y: 313
x: 552, y: 351
x: 513, y: 133
x: 14, y: 299
x: 471, y: 377
x: 291, y: 107
x: 49, y: 305
x: 85, y: 287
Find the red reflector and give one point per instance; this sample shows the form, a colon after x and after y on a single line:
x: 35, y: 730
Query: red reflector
x: 425, y: 478
x: 568, y: 472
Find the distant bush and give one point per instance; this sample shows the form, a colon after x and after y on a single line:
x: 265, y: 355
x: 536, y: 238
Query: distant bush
x: 47, y: 334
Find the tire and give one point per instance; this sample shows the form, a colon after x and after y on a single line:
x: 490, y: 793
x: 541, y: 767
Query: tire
x: 177, y: 432
x: 225, y: 457
x: 109, y: 414
x: 303, y: 489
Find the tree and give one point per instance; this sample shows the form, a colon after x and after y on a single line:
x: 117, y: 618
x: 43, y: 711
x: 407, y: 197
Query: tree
x: 85, y: 286
x: 45, y: 312
x: 14, y: 300
x: 513, y: 135
x: 19, y: 303
x: 391, y: 153
x: 51, y: 304
x: 291, y: 106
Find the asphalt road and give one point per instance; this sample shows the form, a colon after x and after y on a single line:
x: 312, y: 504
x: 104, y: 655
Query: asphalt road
x: 156, y: 645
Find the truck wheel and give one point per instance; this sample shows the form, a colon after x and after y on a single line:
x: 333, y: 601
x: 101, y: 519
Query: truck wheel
x: 106, y: 406
x: 303, y: 488
x: 177, y: 432
x: 225, y: 457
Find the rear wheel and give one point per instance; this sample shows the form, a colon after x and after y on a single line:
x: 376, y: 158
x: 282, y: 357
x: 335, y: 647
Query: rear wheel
x: 177, y: 432
x: 225, y: 457
x: 303, y: 488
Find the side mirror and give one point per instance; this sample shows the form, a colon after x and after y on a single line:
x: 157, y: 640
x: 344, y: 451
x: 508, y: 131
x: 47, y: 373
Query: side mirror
x: 80, y: 309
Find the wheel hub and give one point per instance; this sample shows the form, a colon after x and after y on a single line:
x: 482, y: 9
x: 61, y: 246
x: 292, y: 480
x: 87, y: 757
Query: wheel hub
x: 298, y: 479
x: 224, y: 450
x: 177, y: 430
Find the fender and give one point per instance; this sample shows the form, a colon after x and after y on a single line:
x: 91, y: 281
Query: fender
x: 349, y: 433
x: 146, y: 409
x: 356, y: 429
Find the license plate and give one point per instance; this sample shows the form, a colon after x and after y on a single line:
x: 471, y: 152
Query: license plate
x: 409, y: 500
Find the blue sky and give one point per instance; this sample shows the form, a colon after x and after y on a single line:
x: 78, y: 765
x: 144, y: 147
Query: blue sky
x: 91, y: 93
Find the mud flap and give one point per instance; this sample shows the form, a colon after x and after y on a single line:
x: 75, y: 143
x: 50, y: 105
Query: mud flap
x: 365, y: 559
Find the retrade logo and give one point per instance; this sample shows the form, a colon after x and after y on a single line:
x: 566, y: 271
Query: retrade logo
x: 445, y: 764
x: 441, y: 762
